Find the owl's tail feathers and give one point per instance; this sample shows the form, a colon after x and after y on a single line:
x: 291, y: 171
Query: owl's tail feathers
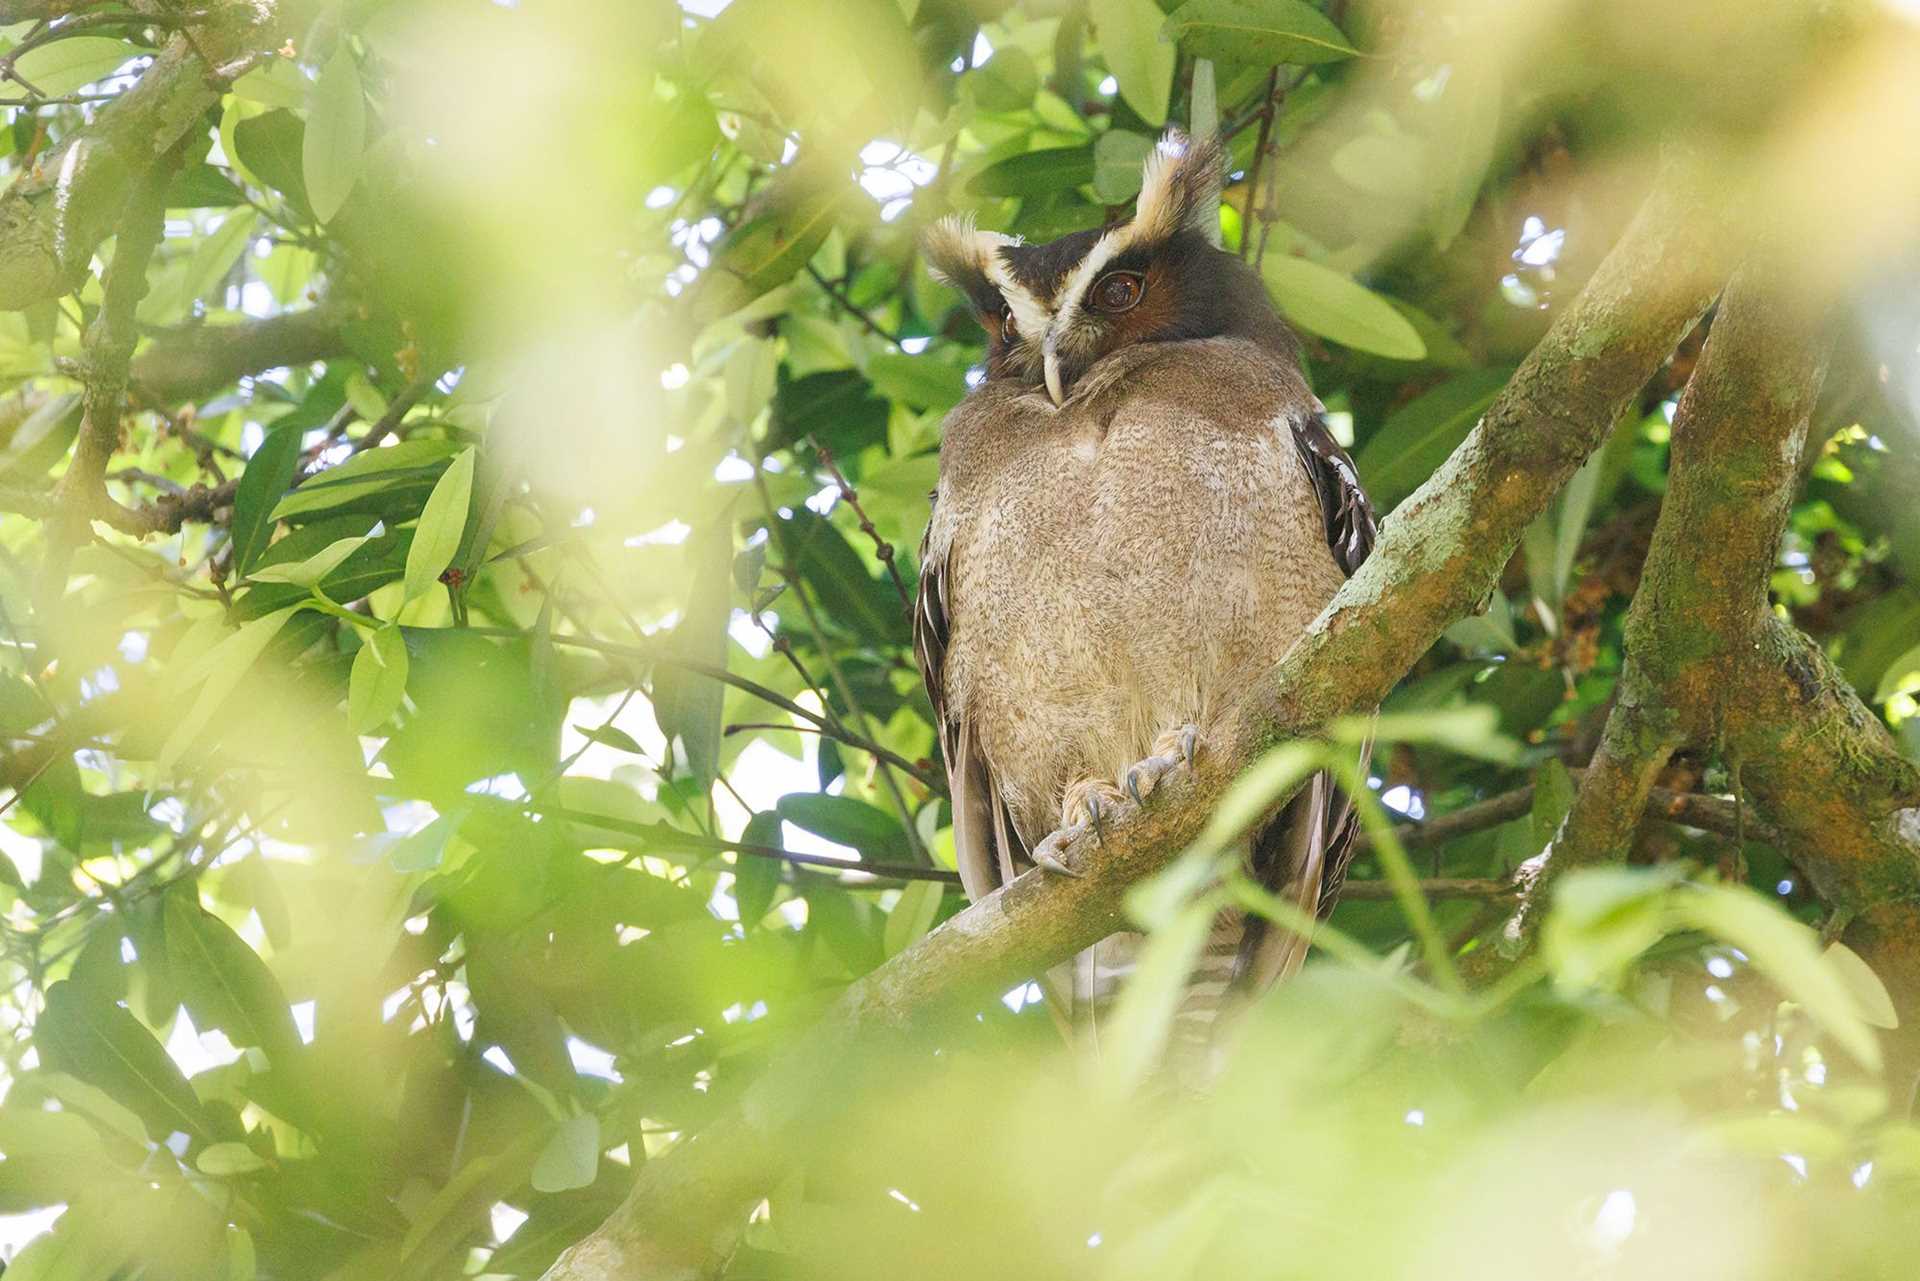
x: 1246, y: 957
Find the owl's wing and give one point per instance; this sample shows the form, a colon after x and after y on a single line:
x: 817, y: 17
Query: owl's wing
x: 984, y: 840
x: 1303, y: 854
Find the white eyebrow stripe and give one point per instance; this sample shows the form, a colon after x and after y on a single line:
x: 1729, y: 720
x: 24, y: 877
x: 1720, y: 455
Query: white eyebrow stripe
x: 1030, y: 315
x: 1085, y: 274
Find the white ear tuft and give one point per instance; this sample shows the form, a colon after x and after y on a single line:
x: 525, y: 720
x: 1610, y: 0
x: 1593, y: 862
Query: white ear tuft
x: 1180, y: 176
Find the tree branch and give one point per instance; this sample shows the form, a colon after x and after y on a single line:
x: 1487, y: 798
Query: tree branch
x: 194, y: 361
x: 1710, y: 665
x: 56, y: 213
x: 1438, y: 555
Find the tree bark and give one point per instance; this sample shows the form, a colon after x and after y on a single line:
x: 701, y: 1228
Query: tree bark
x: 56, y: 213
x: 1710, y: 664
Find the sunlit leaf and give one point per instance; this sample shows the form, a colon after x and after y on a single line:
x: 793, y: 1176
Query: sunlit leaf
x: 1335, y: 306
x: 442, y: 523
x: 336, y: 137
x: 379, y: 679
x: 1129, y: 33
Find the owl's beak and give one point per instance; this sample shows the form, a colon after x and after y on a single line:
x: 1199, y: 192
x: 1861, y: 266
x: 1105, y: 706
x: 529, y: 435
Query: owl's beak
x: 1052, y: 359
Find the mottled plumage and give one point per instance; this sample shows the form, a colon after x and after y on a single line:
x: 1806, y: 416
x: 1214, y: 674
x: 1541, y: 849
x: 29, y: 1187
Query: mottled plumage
x: 1138, y: 511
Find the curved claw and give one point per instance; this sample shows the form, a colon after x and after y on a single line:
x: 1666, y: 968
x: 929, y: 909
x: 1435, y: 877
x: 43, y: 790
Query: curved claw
x: 1189, y: 743
x: 1045, y: 855
x: 1133, y: 785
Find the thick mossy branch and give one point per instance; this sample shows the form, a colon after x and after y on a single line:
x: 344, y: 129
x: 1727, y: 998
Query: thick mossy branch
x: 1442, y: 551
x: 56, y: 213
x: 1710, y: 665
x: 195, y: 361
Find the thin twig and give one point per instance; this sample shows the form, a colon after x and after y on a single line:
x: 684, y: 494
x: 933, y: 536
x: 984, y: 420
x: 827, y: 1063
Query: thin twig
x: 834, y: 292
x: 882, y: 549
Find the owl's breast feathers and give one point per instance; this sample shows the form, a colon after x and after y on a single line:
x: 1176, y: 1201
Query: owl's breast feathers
x: 1129, y: 561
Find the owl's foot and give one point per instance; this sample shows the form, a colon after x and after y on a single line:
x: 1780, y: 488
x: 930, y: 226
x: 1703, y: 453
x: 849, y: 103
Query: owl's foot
x: 1085, y: 808
x: 1171, y: 750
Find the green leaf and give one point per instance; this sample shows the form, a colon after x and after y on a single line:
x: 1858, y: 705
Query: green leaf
x: 1552, y: 798
x: 1897, y: 678
x: 1007, y: 82
x: 225, y: 666
x: 1129, y: 33
x: 224, y: 1159
x: 336, y: 140
x: 309, y: 572
x: 1576, y: 507
x: 912, y: 916
x: 1335, y: 306
x: 1416, y: 438
x: 1461, y: 143
x: 1118, y: 155
x: 223, y: 982
x: 442, y: 522
x: 770, y: 249
x: 1788, y: 953
x: 65, y: 66
x: 1035, y: 173
x: 242, y: 1262
x: 846, y: 821
x: 1131, y: 1043
x: 687, y: 703
x: 266, y: 478
x: 80, y: 1248
x: 216, y: 253
x: 571, y: 1158
x: 276, y: 83
x: 861, y: 602
x: 1263, y: 32
x: 103, y: 1045
x: 756, y: 877
x: 1869, y: 993
x: 379, y: 680
x: 1203, y: 112
x: 366, y: 473
x: 41, y: 440
x: 612, y: 736
x: 921, y: 382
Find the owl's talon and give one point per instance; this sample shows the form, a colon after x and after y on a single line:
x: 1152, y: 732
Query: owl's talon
x: 1133, y: 785
x: 1189, y: 744
x: 1094, y: 815
x: 1047, y: 853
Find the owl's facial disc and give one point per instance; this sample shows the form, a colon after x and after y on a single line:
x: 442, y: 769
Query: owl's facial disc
x: 1052, y: 310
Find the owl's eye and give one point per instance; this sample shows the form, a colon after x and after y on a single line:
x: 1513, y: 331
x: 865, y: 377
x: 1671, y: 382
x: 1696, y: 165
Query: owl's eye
x: 1117, y: 291
x: 1009, y: 329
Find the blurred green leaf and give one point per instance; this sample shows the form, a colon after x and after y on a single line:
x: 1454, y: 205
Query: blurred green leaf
x: 379, y: 680
x: 912, y: 916
x: 1788, y: 953
x: 103, y: 1045
x: 757, y: 878
x: 1257, y: 31
x: 336, y: 137
x: 224, y: 982
x: 1129, y: 33
x: 64, y: 66
x: 571, y: 1158
x: 1118, y: 157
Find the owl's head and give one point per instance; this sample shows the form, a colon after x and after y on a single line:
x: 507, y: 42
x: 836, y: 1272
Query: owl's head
x: 1051, y: 311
